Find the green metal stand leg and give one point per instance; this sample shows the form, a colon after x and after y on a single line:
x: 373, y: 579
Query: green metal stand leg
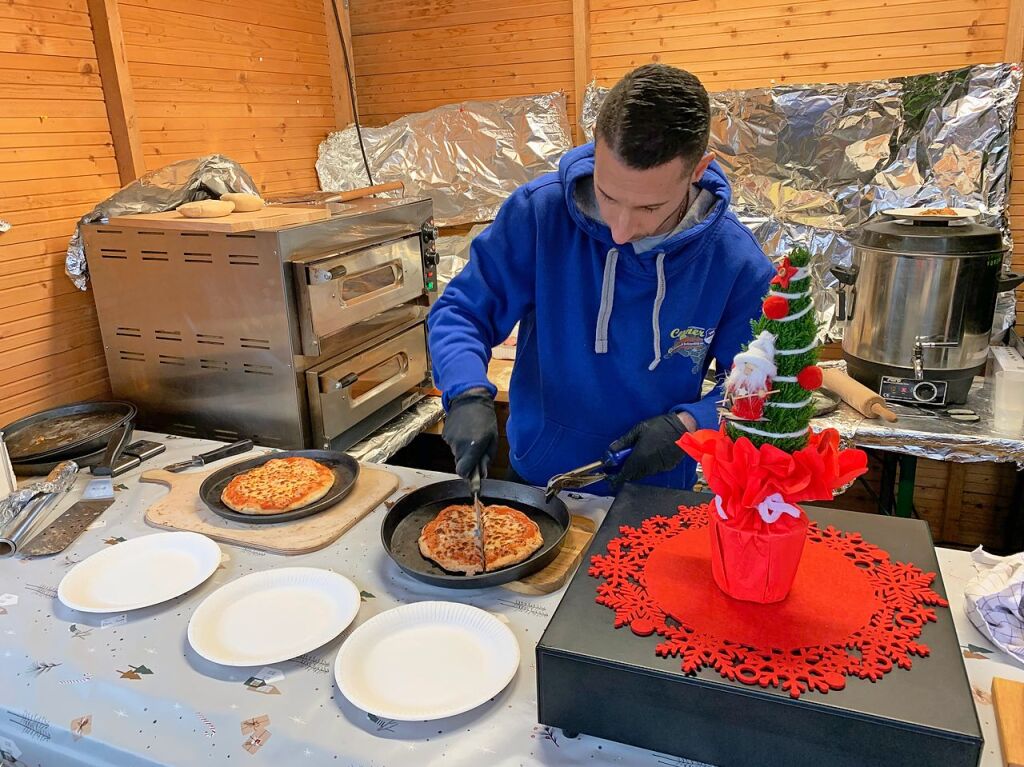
x: 905, y: 493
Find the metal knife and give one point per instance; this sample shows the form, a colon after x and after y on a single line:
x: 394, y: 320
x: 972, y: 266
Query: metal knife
x: 478, y: 517
x: 62, y: 532
x: 235, y: 448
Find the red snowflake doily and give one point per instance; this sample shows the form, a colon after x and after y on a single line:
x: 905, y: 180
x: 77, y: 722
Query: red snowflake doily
x: 866, y: 636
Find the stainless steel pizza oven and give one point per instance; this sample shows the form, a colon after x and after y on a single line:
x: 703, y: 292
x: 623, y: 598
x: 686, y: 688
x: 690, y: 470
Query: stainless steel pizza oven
x: 303, y: 336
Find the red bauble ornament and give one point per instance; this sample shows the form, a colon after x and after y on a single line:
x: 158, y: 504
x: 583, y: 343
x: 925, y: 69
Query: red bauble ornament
x: 775, y: 307
x: 809, y: 378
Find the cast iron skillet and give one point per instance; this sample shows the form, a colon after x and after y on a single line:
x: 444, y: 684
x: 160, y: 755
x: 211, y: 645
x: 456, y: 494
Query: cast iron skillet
x: 63, y: 433
x: 44, y: 467
x: 400, y: 530
x: 344, y: 466
x: 101, y: 462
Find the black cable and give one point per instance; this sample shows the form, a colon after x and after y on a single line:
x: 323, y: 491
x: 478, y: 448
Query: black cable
x: 351, y: 90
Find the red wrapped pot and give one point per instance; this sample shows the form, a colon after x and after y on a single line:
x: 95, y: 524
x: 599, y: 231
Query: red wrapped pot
x: 756, y: 564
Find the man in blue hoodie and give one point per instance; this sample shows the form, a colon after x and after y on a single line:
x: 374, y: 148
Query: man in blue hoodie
x: 628, y: 274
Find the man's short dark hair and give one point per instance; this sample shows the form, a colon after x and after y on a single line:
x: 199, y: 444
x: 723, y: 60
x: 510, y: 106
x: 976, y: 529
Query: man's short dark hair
x: 655, y: 114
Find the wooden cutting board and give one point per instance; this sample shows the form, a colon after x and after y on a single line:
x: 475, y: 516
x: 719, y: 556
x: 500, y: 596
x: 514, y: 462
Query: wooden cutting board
x: 554, y: 576
x: 1008, y: 700
x: 181, y: 509
x: 270, y: 217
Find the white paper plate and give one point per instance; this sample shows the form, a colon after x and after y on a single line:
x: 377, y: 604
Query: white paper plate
x: 272, y: 616
x: 921, y: 214
x: 427, y: 660
x: 139, y: 572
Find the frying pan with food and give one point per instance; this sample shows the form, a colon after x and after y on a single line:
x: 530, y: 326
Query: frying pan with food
x: 65, y: 432
x: 401, y: 528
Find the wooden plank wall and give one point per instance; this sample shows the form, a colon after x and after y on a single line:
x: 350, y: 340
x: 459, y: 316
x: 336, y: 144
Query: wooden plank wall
x: 56, y: 162
x: 248, y: 79
x: 413, y: 55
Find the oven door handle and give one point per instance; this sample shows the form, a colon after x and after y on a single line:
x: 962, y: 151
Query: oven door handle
x: 346, y: 380
x: 319, y: 275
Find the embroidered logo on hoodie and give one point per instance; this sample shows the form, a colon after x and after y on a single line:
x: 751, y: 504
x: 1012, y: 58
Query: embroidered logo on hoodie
x: 692, y: 342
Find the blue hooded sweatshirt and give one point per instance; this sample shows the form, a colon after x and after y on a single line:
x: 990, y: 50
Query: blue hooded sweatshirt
x: 607, y: 337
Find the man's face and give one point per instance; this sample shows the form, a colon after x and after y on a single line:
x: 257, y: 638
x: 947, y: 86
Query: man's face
x: 641, y: 203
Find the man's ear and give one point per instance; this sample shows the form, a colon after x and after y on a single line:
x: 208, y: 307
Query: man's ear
x: 698, y: 171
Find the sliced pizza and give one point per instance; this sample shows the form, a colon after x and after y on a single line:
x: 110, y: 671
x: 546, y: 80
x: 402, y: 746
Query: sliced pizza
x: 510, y: 537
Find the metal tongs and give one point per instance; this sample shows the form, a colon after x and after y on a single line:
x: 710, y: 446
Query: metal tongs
x: 586, y: 475
x: 478, y: 517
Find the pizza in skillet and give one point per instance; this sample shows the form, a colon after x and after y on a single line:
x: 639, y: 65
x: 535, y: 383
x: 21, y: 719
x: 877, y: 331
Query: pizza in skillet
x: 279, y: 485
x: 510, y: 537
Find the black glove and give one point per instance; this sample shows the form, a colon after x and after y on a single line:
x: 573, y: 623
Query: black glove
x: 654, y: 448
x: 471, y: 431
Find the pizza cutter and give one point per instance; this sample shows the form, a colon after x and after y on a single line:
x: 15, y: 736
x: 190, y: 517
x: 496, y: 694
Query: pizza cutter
x: 478, y: 516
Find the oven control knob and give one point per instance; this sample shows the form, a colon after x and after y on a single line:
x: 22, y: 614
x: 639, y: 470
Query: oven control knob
x: 925, y: 391
x: 431, y: 258
x: 429, y: 232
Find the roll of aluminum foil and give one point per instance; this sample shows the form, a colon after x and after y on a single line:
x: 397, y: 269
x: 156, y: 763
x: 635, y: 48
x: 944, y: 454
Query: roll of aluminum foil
x: 164, y: 189
x: 467, y: 157
x: 20, y: 518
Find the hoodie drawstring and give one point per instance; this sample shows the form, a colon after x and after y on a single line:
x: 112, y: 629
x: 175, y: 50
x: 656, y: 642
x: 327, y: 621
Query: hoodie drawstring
x: 604, y: 314
x: 658, y: 299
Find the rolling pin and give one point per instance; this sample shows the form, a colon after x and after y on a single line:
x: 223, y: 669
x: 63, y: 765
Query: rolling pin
x: 1008, y: 701
x: 366, y: 191
x: 856, y: 395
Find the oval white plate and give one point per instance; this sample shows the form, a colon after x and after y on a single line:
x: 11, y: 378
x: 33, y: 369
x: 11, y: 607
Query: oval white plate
x: 139, y: 572
x: 426, y: 660
x: 272, y: 616
x: 920, y: 213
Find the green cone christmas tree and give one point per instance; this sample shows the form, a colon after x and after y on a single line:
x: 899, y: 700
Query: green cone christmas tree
x: 769, y: 388
x: 765, y: 461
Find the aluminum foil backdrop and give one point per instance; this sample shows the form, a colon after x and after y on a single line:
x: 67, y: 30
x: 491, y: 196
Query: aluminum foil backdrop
x: 810, y: 163
x: 468, y: 157
x: 163, y: 189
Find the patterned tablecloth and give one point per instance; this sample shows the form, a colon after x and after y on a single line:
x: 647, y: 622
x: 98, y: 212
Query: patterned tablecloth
x: 128, y: 689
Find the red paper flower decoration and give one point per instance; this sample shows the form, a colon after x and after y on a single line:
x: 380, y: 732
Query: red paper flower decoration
x: 775, y: 307
x: 743, y: 476
x: 809, y: 378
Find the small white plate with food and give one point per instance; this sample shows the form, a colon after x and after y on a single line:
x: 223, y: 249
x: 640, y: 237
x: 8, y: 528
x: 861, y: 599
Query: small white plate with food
x: 426, y: 660
x: 272, y: 616
x: 932, y: 214
x: 139, y: 572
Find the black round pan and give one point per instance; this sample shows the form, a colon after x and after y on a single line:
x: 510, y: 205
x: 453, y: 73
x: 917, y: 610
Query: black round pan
x: 344, y: 466
x: 401, y: 528
x: 42, y: 468
x: 64, y: 432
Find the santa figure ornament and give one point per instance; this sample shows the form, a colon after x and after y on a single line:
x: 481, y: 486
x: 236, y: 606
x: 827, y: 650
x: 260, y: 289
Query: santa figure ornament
x: 750, y: 382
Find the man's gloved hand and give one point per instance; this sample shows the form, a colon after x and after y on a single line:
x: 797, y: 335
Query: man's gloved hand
x: 654, y: 448
x: 471, y: 431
